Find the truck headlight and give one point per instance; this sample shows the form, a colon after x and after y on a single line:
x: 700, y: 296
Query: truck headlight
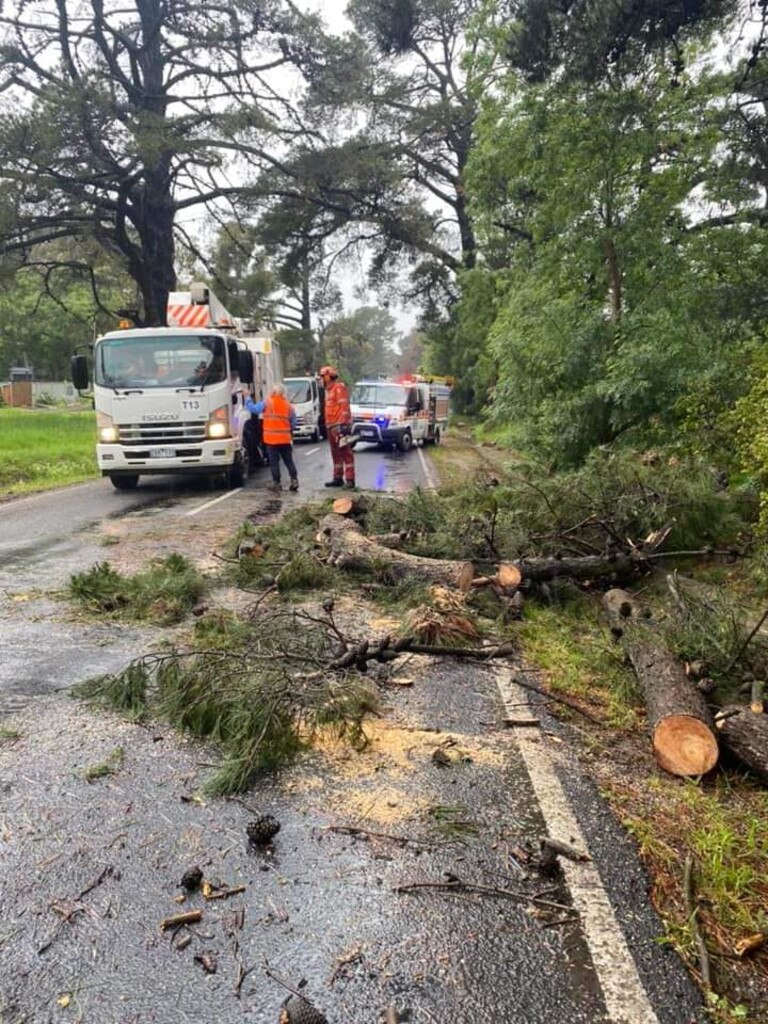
x: 218, y: 423
x: 106, y: 429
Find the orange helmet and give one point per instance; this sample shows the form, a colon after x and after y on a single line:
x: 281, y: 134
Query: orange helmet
x: 328, y: 371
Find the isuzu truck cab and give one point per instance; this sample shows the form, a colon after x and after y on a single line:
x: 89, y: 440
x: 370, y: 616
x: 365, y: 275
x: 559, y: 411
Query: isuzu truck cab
x: 170, y: 399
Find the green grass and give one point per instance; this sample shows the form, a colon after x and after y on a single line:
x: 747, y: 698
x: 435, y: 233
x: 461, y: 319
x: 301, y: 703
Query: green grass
x: 572, y: 647
x: 9, y: 735
x: 724, y: 827
x: 40, y: 449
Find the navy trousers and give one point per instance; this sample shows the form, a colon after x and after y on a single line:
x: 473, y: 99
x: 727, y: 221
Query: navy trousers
x: 275, y: 452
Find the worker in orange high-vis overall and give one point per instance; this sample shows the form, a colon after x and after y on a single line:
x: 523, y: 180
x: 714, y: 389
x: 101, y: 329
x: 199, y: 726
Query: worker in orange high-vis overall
x: 277, y: 424
x: 338, y: 423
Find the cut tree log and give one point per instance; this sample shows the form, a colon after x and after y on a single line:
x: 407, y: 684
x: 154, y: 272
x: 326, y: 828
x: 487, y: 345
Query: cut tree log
x: 343, y: 506
x: 682, y: 733
x: 745, y: 735
x: 351, y: 549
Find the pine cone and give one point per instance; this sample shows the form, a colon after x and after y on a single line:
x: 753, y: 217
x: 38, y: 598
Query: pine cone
x: 297, y: 1010
x: 263, y: 829
x: 191, y: 879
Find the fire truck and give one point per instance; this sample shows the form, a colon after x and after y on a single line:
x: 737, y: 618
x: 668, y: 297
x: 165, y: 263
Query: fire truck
x: 171, y: 399
x: 401, y: 413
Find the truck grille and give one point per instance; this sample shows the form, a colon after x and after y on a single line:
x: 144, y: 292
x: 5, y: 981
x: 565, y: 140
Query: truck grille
x: 161, y: 434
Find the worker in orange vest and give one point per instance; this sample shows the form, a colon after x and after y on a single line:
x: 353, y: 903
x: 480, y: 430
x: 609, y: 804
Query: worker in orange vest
x: 338, y: 423
x: 278, y: 422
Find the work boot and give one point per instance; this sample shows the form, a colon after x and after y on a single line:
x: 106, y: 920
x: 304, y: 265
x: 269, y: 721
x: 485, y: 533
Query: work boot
x: 294, y: 485
x: 335, y: 483
x: 275, y: 486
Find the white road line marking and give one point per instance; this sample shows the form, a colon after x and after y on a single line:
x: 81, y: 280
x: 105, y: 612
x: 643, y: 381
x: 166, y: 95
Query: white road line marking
x: 312, y: 451
x: 625, y: 997
x: 213, y: 501
x: 431, y: 482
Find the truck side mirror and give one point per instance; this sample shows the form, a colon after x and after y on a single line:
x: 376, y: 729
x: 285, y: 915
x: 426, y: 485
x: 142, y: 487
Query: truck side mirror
x: 78, y: 368
x: 245, y: 367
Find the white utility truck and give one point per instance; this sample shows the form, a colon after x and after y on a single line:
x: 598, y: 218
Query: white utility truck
x: 400, y: 412
x: 305, y: 395
x: 170, y: 399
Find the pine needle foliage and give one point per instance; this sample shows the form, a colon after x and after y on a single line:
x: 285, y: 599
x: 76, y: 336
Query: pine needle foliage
x: 529, y: 511
x: 163, y: 593
x: 261, y: 704
x: 125, y: 692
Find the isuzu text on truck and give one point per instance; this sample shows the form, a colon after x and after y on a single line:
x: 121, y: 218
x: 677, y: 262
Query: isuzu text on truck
x: 170, y: 399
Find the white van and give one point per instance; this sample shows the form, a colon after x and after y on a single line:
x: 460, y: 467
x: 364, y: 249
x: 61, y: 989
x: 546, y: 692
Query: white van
x: 304, y: 395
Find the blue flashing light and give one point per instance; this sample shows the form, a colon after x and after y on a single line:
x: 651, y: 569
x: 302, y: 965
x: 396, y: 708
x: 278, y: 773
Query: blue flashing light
x: 383, y: 421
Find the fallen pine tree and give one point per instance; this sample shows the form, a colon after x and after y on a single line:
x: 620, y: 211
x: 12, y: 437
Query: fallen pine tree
x: 681, y: 726
x: 351, y: 549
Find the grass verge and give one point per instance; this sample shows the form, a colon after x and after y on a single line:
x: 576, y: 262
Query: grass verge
x: 43, y: 449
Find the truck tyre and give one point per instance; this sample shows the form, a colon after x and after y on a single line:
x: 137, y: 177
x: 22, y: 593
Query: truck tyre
x: 124, y: 481
x: 314, y: 437
x: 238, y: 474
x: 436, y: 438
x: 406, y: 441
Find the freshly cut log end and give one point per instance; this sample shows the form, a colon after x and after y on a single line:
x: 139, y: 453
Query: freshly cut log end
x: 466, y: 575
x: 343, y: 506
x: 685, y: 746
x: 509, y: 576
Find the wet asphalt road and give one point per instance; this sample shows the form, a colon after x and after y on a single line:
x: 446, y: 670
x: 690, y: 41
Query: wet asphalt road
x: 38, y: 523
x: 320, y: 896
x: 45, y: 538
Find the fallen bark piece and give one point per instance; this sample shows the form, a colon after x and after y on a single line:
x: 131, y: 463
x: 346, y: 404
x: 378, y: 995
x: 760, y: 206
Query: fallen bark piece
x: 211, y: 892
x: 521, y: 723
x: 176, y: 920
x: 745, y: 735
x: 207, y: 961
x: 750, y: 944
x: 681, y: 726
x: 564, y: 850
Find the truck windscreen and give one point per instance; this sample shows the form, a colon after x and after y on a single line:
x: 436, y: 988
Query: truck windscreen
x: 160, y: 361
x: 379, y: 394
x: 298, y: 389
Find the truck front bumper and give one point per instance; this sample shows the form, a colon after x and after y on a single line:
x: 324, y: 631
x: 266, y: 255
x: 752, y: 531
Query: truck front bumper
x: 202, y: 457
x: 376, y: 433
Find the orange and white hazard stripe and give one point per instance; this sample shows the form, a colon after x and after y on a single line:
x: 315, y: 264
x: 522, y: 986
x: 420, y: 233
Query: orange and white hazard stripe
x: 189, y: 316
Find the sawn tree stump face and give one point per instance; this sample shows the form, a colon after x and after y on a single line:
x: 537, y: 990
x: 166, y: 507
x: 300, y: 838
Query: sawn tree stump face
x: 684, y: 746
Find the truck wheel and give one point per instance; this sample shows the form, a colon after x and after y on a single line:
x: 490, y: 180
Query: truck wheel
x: 238, y: 474
x: 124, y: 482
x: 436, y: 438
x: 406, y: 441
x: 314, y: 437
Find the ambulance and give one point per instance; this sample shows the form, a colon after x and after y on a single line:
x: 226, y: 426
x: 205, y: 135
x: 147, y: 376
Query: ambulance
x: 401, y: 413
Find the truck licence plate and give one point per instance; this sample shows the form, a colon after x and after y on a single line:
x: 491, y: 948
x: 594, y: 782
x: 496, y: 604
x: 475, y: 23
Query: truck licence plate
x: 368, y: 432
x: 162, y: 453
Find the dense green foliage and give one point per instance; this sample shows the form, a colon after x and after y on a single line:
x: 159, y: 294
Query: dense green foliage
x: 574, y: 194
